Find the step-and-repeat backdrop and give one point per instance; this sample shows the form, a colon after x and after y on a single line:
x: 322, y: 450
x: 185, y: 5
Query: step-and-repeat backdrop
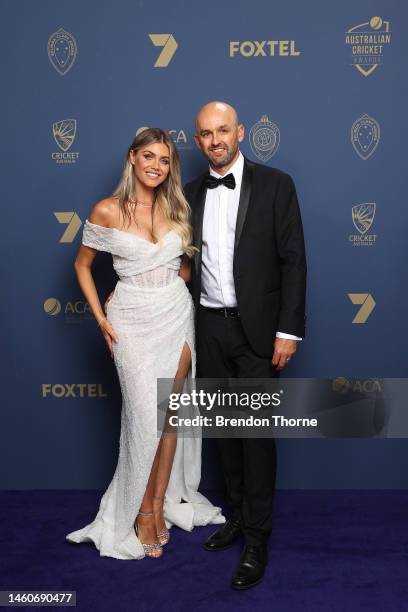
x: 320, y: 88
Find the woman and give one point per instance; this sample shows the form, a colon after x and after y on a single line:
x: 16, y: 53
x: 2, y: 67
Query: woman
x: 149, y: 332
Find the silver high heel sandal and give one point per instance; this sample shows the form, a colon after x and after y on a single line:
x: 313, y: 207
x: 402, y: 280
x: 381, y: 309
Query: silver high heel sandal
x: 151, y: 550
x: 164, y: 534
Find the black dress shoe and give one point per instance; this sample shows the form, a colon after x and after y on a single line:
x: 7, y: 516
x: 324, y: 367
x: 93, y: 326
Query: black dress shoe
x: 225, y: 536
x: 251, y: 567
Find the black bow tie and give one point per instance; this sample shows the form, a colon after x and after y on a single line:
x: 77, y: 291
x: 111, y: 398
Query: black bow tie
x: 212, y: 182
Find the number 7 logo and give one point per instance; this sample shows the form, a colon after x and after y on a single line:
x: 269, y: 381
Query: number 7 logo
x: 169, y: 44
x: 73, y: 222
x: 367, y: 306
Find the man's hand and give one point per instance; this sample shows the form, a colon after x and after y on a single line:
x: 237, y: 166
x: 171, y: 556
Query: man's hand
x: 108, y: 299
x: 284, y: 351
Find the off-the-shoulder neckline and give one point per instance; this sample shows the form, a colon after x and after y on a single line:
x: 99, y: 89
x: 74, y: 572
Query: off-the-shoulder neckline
x: 115, y: 229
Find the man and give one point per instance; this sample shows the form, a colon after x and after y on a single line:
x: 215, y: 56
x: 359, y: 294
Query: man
x: 248, y: 284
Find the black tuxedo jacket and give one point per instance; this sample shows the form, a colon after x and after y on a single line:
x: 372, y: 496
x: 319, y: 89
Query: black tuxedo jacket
x: 269, y: 254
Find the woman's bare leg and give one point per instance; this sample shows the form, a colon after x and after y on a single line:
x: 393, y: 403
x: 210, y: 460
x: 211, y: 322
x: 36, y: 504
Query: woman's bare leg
x: 168, y: 445
x: 146, y: 525
x: 149, y: 527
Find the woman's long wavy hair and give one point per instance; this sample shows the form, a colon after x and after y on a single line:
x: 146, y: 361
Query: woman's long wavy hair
x: 169, y: 197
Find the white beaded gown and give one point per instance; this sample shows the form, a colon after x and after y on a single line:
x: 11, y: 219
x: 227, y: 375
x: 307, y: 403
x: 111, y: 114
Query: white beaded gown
x: 152, y: 313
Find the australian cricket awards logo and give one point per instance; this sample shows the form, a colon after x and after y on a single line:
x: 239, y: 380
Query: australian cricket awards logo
x: 62, y: 51
x: 64, y: 133
x: 363, y: 218
x: 367, y: 42
x: 264, y: 138
x: 365, y: 136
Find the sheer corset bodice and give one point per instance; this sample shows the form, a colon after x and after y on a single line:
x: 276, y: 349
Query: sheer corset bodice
x: 158, y: 277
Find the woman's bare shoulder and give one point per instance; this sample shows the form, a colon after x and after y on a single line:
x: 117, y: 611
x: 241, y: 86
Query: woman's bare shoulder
x: 105, y: 212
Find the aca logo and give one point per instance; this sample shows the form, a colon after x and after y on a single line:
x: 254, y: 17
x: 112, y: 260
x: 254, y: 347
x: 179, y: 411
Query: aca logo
x: 363, y: 217
x: 64, y: 133
x: 73, y: 223
x: 263, y: 48
x: 367, y: 303
x: 75, y: 311
x: 367, y: 42
x: 365, y: 136
x: 179, y: 137
x: 72, y: 390
x: 169, y: 44
x: 342, y: 385
x: 62, y: 51
x: 264, y: 138
x: 52, y: 306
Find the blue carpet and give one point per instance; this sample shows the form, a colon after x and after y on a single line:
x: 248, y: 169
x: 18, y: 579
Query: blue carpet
x: 330, y: 551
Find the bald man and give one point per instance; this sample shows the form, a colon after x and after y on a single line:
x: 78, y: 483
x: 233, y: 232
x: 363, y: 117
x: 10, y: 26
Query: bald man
x: 248, y: 283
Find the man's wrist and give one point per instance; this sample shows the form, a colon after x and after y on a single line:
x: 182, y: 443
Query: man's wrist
x: 286, y: 336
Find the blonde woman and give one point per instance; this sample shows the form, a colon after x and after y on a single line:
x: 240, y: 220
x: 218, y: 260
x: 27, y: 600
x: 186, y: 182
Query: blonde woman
x: 149, y: 330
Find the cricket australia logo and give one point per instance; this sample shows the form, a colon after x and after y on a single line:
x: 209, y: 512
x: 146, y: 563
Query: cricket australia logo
x: 363, y: 216
x: 64, y: 133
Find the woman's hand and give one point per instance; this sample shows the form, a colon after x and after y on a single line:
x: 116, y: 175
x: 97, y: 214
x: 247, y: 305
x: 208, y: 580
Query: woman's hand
x: 108, y: 333
x: 185, y: 268
x: 108, y: 299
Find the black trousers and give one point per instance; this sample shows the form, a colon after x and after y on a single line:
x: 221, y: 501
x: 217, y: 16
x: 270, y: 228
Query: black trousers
x: 249, y: 464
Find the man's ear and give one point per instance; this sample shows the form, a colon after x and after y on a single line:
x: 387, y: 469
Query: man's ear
x: 197, y: 141
x: 241, y: 132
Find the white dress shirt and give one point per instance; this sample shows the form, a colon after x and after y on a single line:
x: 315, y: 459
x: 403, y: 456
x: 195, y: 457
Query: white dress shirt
x: 217, y: 256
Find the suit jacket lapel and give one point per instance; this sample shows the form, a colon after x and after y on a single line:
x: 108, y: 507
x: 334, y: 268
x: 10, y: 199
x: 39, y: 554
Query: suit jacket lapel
x: 244, y: 198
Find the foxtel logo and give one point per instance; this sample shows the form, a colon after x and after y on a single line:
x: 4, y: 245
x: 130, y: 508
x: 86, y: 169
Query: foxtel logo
x: 73, y: 390
x: 263, y: 48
